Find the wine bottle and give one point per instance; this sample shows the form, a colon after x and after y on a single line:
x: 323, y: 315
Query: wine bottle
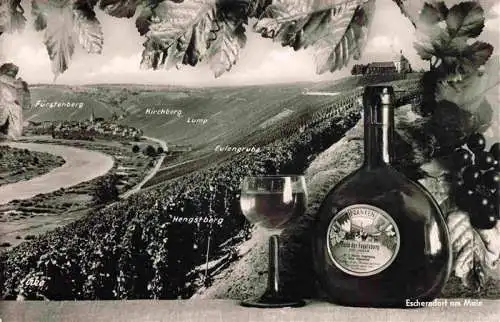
x: 380, y: 239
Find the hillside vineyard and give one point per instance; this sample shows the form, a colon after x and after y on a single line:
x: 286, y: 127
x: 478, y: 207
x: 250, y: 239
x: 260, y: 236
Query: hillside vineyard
x: 134, y: 249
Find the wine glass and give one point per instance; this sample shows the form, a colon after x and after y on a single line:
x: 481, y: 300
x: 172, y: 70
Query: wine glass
x: 270, y: 202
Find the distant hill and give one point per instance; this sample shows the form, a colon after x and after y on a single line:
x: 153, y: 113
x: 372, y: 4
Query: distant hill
x: 228, y: 111
x: 66, y: 94
x: 210, y: 116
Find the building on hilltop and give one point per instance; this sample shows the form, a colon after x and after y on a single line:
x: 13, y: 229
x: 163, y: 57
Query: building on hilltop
x: 358, y: 69
x: 399, y: 65
x: 379, y: 68
x: 402, y: 63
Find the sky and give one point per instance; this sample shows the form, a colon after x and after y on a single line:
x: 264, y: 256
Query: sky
x: 261, y: 61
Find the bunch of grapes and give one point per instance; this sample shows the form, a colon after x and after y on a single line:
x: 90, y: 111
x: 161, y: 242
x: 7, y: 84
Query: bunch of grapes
x: 477, y: 183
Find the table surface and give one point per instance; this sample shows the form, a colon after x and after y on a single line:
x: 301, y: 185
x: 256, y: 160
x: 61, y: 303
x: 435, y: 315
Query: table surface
x: 227, y: 310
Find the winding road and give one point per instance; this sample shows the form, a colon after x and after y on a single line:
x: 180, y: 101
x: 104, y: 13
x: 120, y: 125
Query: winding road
x: 153, y: 171
x: 150, y: 175
x: 80, y: 166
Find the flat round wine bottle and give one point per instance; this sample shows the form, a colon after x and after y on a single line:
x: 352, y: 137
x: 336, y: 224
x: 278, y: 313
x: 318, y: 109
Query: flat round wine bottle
x: 380, y: 239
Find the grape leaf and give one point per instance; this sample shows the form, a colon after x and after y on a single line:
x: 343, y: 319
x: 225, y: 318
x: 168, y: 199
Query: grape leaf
x: 476, y: 252
x: 202, y: 38
x: 39, y: 12
x: 257, y: 7
x: 11, y: 16
x: 171, y: 29
x: 465, y: 19
x: 85, y: 4
x: 425, y: 51
x: 332, y: 55
x: 433, y: 13
x: 17, y: 21
x: 176, y: 52
x: 119, y: 8
x: 434, y: 41
x: 225, y: 50
x: 238, y: 10
x: 290, y: 23
x: 444, y: 34
x: 122, y: 9
x: 59, y: 38
x: 5, y: 15
x: 60, y: 3
x: 88, y: 30
x: 484, y: 116
x: 64, y: 23
x: 459, y: 59
x: 143, y: 20
x: 337, y: 30
x: 475, y: 55
x: 188, y: 32
x: 469, y: 91
x: 432, y: 36
x: 490, y: 72
x: 413, y: 8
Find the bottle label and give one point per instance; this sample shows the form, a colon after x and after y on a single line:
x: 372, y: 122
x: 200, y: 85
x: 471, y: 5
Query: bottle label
x: 362, y: 240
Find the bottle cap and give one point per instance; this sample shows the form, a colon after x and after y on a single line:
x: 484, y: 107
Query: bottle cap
x: 377, y: 102
x: 385, y: 97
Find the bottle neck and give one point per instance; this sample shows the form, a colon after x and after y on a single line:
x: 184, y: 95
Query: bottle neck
x: 379, y: 131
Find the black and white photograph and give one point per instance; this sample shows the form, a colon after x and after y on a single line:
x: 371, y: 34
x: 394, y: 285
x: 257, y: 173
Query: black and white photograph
x: 249, y: 160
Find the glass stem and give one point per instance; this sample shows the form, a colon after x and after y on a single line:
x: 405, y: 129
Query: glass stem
x: 273, y: 279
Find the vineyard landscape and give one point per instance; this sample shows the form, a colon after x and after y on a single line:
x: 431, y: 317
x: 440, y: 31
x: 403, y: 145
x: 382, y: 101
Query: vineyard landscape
x: 182, y: 223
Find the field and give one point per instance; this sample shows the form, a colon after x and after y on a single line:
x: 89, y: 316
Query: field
x: 16, y: 164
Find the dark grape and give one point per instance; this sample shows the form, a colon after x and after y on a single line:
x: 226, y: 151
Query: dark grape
x: 456, y: 179
x: 495, y: 150
x: 483, y: 221
x: 481, y: 203
x: 462, y: 158
x: 459, y: 183
x: 465, y: 198
x: 495, y: 202
x: 493, y: 209
x: 484, y: 211
x: 485, y: 160
x: 471, y: 175
x: 476, y: 142
x: 491, y: 179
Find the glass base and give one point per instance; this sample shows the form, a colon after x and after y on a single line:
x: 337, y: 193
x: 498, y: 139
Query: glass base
x: 266, y: 301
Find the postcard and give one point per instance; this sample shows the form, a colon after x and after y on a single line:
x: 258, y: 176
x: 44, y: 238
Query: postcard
x: 243, y: 160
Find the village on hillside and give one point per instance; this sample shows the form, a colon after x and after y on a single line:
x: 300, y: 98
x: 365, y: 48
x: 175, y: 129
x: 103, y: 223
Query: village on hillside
x: 90, y: 129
